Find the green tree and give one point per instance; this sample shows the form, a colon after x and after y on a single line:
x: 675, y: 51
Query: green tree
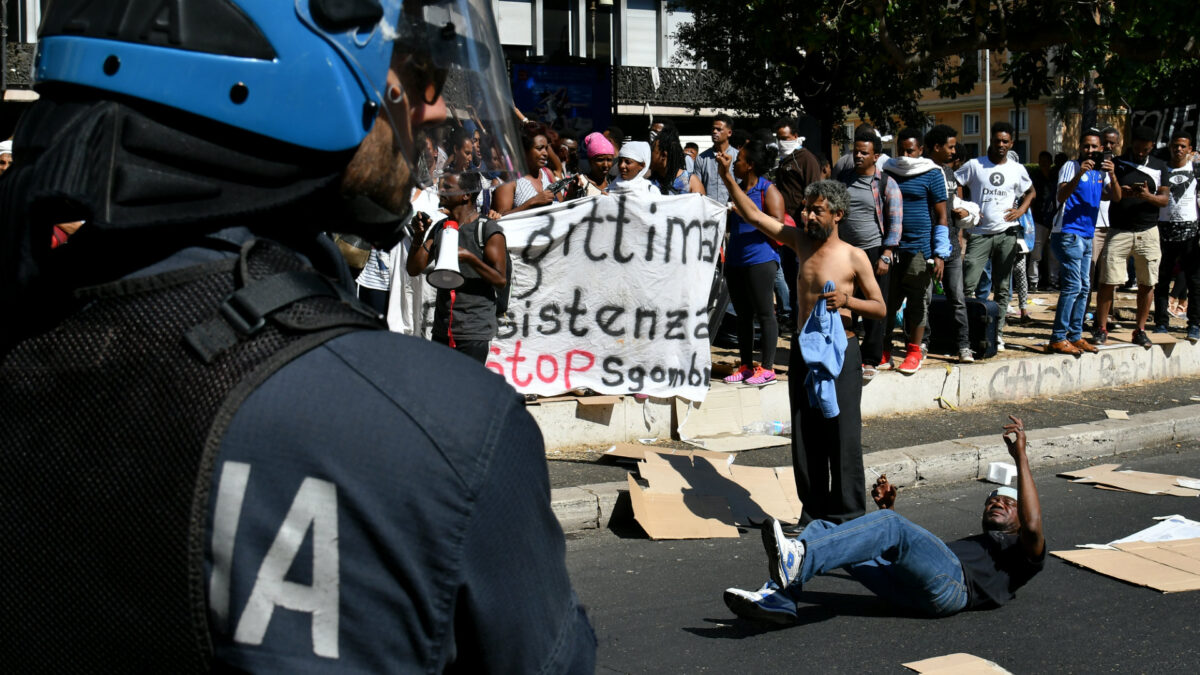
x: 874, y: 57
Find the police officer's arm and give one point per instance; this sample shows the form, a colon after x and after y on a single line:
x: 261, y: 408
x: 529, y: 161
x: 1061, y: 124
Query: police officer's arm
x: 1029, y: 509
x: 493, y: 269
x: 516, y: 602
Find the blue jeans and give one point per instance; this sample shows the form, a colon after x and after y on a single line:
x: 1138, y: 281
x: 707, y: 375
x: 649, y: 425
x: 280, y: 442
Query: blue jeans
x: 785, y: 300
x: 900, y: 562
x: 1074, y: 254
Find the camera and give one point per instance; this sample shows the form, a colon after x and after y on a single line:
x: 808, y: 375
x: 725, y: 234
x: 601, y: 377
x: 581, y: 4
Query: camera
x: 1098, y: 157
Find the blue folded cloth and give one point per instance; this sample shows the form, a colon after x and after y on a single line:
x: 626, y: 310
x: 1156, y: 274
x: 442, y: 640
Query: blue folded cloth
x: 823, y: 348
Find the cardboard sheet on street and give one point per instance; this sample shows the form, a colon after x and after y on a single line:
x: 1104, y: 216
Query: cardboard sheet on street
x: 636, y: 452
x: 599, y: 400
x: 699, y: 496
x: 1167, y: 566
x: 718, y: 423
x: 956, y: 664
x: 1109, y: 476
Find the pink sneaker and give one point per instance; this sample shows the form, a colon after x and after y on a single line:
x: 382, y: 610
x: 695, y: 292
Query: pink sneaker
x: 762, y: 376
x: 742, y: 373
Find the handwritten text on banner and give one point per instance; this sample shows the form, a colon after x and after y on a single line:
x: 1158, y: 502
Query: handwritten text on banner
x: 611, y: 293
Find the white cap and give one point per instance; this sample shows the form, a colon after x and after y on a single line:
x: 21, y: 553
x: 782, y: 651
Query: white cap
x: 1005, y: 492
x: 5, y: 147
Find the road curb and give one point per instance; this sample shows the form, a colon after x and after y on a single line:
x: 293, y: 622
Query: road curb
x: 566, y: 423
x: 588, y: 507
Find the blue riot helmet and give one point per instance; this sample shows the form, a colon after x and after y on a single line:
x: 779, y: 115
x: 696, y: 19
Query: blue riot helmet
x: 311, y: 73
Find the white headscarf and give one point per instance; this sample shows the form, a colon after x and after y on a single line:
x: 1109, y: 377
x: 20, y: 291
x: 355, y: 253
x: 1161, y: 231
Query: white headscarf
x: 5, y: 147
x: 910, y: 166
x: 638, y: 151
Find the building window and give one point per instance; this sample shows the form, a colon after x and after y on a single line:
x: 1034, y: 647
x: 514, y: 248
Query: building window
x: 641, y: 31
x: 1019, y: 122
x: 848, y: 132
x: 970, y: 124
x: 1021, y: 147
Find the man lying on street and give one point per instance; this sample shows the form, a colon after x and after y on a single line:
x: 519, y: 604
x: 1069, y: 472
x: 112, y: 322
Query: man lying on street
x: 905, y: 564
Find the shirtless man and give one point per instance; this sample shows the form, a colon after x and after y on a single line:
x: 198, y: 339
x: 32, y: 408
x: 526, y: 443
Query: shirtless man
x: 824, y: 388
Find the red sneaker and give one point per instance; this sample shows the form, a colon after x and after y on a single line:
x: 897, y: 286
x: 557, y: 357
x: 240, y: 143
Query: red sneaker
x: 912, y: 360
x: 886, y: 362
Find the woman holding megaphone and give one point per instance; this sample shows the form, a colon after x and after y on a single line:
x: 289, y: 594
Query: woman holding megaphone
x: 472, y: 260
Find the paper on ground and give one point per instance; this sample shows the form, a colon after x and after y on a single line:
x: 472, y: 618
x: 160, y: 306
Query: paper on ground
x: 1108, y: 476
x: 1167, y: 566
x: 1117, y: 414
x: 717, y: 423
x: 637, y: 453
x: 954, y: 664
x: 1169, y: 528
x: 698, y: 496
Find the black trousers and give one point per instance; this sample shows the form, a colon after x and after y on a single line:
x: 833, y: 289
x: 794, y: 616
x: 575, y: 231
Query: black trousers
x: 827, y: 453
x: 375, y: 299
x: 752, y: 290
x: 873, y: 329
x: 1187, y: 254
x: 476, y: 349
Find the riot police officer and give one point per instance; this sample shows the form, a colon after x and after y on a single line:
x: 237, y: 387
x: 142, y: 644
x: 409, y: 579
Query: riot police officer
x: 214, y: 457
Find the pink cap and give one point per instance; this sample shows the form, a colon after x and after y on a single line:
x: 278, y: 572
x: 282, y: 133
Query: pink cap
x: 596, y: 144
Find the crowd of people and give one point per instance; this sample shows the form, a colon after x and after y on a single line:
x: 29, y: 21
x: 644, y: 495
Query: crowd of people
x: 941, y: 231
x: 245, y: 436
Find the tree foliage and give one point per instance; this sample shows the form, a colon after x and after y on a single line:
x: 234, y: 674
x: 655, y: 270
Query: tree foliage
x: 874, y: 57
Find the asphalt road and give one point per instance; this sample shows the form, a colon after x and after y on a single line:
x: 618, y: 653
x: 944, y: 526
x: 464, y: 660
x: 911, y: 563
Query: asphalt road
x: 656, y: 605
x: 901, y: 431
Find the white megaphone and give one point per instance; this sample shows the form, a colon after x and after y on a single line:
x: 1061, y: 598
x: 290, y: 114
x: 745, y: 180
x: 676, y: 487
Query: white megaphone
x: 445, y: 274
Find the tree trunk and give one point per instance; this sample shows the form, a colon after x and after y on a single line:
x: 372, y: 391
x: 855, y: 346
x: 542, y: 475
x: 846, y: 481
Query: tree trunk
x: 1088, y: 112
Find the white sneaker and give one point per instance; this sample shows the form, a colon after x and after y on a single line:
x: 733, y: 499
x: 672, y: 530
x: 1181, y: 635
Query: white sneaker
x: 965, y: 355
x: 999, y: 344
x: 768, y: 603
x: 784, y: 556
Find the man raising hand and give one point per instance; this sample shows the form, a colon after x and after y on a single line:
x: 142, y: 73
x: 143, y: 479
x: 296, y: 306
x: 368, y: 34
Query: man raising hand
x: 825, y: 386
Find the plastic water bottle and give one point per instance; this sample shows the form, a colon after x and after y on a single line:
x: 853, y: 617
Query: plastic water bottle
x: 768, y: 428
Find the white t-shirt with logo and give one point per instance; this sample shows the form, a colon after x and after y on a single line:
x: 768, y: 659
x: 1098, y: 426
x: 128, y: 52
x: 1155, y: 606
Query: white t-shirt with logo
x: 996, y: 188
x: 1181, y: 207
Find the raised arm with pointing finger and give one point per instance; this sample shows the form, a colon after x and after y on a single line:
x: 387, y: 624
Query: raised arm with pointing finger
x: 788, y: 236
x: 1029, y: 509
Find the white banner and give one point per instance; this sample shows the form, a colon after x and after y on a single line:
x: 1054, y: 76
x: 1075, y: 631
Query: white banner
x: 611, y: 293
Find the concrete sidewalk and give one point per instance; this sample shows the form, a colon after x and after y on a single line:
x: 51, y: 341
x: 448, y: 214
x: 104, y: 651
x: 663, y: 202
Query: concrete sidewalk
x: 937, y: 385
x: 592, y: 506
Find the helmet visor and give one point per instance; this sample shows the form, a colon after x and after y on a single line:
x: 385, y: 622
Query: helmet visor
x: 450, y: 50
